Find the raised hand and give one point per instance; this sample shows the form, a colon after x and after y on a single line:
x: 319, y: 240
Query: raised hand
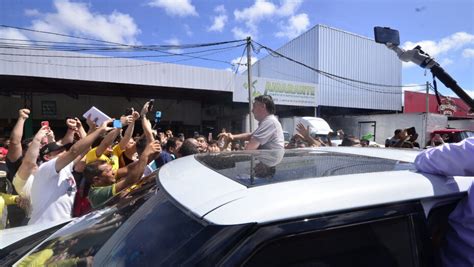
x: 24, y: 113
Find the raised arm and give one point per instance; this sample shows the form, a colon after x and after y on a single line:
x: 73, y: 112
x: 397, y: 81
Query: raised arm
x: 136, y: 169
x: 14, y: 150
x: 80, y: 147
x: 31, y: 155
x: 108, y: 140
x: 129, y: 132
x: 71, y: 131
x: 146, y: 125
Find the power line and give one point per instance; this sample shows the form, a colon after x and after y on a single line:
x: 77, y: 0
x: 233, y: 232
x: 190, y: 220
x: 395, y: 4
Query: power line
x: 109, y: 66
x: 327, y: 74
x: 150, y: 48
x: 109, y: 57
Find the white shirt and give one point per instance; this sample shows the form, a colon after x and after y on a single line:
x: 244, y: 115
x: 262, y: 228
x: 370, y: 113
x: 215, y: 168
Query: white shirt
x: 269, y: 134
x: 52, y: 193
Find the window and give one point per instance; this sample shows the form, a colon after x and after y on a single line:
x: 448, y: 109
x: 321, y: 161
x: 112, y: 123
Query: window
x: 48, y: 108
x: 381, y: 243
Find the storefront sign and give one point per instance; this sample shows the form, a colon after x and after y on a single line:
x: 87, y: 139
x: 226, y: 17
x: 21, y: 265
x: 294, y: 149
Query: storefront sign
x: 450, y: 106
x: 447, y: 107
x: 283, y: 92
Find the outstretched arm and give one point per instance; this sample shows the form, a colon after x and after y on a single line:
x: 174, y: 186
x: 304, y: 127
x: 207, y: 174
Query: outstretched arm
x: 146, y: 125
x: 136, y: 169
x: 14, y: 150
x: 80, y: 147
x: 129, y: 132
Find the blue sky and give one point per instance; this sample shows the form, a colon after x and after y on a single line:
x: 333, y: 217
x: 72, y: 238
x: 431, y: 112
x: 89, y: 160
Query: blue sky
x: 445, y: 29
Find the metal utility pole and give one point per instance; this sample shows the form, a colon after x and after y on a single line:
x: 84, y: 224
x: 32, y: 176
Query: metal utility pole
x: 249, y: 80
x: 427, y: 98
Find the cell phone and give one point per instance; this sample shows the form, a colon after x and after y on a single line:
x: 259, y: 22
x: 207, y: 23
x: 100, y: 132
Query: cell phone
x: 150, y: 104
x: 158, y: 116
x: 45, y: 123
x: 384, y: 35
x: 128, y: 111
x: 411, y: 131
x: 117, y: 124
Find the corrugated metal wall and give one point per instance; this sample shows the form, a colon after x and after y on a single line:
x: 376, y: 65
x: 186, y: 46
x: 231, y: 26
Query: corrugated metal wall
x: 343, y: 54
x: 113, y: 70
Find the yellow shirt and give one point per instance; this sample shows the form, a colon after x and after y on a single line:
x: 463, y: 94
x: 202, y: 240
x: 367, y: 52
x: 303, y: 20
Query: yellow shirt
x: 113, y: 160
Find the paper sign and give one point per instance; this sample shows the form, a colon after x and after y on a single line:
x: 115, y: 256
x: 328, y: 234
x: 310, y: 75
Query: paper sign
x: 97, y: 116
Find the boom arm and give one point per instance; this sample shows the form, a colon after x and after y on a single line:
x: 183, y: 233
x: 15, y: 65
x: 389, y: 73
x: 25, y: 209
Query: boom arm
x: 422, y: 59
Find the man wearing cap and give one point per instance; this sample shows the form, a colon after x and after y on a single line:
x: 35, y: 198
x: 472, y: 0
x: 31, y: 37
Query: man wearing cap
x: 54, y: 188
x: 269, y: 134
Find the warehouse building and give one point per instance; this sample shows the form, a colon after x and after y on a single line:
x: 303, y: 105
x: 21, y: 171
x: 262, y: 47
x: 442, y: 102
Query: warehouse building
x: 61, y: 84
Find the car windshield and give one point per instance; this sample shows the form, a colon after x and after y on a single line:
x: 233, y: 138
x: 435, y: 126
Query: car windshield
x: 144, y: 229
x: 254, y: 168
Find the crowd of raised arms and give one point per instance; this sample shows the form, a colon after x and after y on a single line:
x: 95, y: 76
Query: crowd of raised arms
x: 45, y: 179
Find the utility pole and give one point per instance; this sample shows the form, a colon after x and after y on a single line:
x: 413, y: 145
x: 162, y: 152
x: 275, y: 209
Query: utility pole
x: 249, y: 80
x: 427, y: 98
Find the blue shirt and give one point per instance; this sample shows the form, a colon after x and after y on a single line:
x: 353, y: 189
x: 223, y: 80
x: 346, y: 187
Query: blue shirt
x: 454, y: 159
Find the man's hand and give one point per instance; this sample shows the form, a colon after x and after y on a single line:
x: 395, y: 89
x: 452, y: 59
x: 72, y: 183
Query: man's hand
x: 23, y: 202
x: 227, y: 136
x: 91, y: 124
x: 24, y: 113
x: 104, y: 128
x: 71, y: 124
x: 144, y: 110
x: 152, y: 148
x: 135, y: 115
x: 304, y: 131
x: 126, y: 120
x: 43, y: 132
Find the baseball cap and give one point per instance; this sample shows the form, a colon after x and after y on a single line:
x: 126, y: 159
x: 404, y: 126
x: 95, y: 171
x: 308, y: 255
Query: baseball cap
x: 50, y: 147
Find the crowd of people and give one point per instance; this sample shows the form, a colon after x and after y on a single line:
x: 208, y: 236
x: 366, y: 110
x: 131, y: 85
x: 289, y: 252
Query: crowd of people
x: 44, y: 179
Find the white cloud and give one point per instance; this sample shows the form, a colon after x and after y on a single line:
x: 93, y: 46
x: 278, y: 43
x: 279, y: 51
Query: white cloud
x: 296, y: 25
x: 181, y: 8
x: 76, y: 19
x: 289, y: 7
x: 219, y: 23
x: 468, y: 53
x: 8, y: 33
x: 237, y: 62
x: 239, y: 33
x: 442, y: 48
x: 447, y: 44
x: 31, y: 12
x: 174, y: 42
x: 265, y: 10
x: 220, y: 9
x: 220, y: 20
x: 261, y: 9
x: 445, y: 62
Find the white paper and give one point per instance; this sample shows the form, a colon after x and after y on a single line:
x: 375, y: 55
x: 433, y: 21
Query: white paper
x: 97, y: 116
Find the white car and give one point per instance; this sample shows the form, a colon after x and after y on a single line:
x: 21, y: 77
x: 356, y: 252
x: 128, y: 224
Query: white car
x: 330, y: 206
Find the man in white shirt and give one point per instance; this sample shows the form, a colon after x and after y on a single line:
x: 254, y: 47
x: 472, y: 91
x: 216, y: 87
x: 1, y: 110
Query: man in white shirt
x: 269, y: 134
x: 54, y: 188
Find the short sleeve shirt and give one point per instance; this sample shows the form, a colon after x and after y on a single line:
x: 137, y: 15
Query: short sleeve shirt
x: 52, y: 193
x: 100, y: 194
x: 269, y: 134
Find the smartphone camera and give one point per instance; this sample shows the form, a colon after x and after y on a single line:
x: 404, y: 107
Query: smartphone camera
x: 150, y: 104
x: 158, y: 116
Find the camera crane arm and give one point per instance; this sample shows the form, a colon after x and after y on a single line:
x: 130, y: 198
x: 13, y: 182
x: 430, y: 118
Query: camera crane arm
x: 390, y: 38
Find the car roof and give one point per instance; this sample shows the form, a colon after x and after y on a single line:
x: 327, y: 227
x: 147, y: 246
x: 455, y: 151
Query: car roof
x: 219, y: 199
x: 442, y: 131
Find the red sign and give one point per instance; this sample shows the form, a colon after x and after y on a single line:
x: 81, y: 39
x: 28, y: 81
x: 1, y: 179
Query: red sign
x: 450, y: 106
